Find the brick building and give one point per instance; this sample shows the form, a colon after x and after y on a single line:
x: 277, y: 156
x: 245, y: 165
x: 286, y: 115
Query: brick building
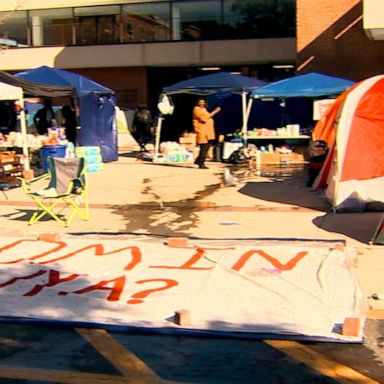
x: 136, y: 47
x: 330, y: 38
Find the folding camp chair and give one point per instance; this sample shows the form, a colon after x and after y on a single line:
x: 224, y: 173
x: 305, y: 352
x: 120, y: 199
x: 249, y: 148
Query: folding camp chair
x: 6, y: 185
x: 67, y: 189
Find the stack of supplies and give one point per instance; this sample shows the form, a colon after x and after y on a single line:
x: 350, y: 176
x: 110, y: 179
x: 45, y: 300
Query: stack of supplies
x: 92, y: 156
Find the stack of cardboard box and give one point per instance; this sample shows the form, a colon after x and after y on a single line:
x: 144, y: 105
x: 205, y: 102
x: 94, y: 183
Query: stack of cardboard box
x: 188, y: 141
x: 11, y: 166
x: 277, y: 158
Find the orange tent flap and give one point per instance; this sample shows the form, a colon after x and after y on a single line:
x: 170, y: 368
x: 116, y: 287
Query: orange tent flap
x: 325, y: 129
x: 364, y: 156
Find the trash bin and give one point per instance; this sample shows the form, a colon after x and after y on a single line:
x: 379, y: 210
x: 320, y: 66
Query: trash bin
x: 217, y: 149
x: 51, y: 151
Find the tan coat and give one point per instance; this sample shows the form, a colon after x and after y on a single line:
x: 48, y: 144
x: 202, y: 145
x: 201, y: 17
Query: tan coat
x: 203, y: 125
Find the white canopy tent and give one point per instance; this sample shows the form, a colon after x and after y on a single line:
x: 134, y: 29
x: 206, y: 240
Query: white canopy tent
x: 11, y: 92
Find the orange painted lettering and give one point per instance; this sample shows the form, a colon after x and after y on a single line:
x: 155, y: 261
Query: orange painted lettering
x: 115, y: 290
x: 276, y: 263
x: 56, y: 247
x: 53, y: 279
x: 189, y: 264
x: 15, y: 279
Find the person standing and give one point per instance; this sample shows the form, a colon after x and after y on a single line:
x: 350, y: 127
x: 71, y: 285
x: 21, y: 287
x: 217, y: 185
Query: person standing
x: 142, y: 126
x: 69, y: 123
x: 44, y: 118
x: 204, y: 128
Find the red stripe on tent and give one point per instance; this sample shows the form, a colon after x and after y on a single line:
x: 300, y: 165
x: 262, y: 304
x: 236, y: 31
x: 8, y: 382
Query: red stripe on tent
x: 364, y: 156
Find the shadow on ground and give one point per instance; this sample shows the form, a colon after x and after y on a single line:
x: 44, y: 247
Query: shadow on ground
x: 285, y: 185
x: 359, y: 226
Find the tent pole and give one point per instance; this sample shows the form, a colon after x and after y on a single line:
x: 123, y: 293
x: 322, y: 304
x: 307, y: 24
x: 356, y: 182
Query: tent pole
x: 244, y: 129
x: 23, y: 126
x: 76, y: 106
x: 249, y: 107
x: 157, y: 137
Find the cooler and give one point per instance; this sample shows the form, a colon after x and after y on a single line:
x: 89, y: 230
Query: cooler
x: 51, y: 151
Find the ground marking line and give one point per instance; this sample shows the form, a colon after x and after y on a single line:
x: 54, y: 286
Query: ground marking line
x: 122, y: 359
x: 320, y: 363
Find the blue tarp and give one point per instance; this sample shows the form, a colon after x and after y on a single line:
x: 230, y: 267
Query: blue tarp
x: 308, y: 85
x: 96, y: 107
x: 220, y: 82
x: 263, y: 114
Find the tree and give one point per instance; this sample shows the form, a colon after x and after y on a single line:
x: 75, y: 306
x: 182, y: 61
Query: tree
x: 265, y: 18
x: 3, y: 20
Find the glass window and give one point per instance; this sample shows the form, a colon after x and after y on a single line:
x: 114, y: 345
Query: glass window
x: 97, y: 11
x: 196, y: 20
x: 13, y: 29
x: 97, y: 25
x: 87, y: 30
x: 52, y: 27
x: 149, y: 21
x: 145, y: 22
x: 260, y: 18
x: 96, y: 30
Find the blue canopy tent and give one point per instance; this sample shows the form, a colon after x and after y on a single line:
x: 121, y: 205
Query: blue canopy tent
x: 299, y: 88
x: 220, y: 84
x: 308, y: 85
x: 97, y: 107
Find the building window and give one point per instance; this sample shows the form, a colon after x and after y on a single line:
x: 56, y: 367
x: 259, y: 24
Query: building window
x: 13, y: 29
x: 93, y: 30
x: 149, y: 21
x: 97, y: 25
x: 145, y: 22
x: 196, y: 20
x: 51, y: 27
x: 260, y: 18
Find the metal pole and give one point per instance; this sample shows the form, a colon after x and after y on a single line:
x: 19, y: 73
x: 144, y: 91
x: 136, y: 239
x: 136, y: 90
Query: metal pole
x: 157, y: 137
x: 23, y: 127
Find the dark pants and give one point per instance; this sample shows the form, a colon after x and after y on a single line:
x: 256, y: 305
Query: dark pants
x: 200, y: 160
x: 143, y: 135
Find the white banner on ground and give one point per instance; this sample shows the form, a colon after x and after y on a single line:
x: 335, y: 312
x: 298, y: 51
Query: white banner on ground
x: 227, y: 286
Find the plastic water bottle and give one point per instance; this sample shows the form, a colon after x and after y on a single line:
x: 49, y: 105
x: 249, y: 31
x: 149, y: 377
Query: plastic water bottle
x: 70, y: 151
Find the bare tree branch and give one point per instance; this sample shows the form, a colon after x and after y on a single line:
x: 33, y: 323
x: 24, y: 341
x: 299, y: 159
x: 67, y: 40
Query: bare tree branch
x: 18, y: 5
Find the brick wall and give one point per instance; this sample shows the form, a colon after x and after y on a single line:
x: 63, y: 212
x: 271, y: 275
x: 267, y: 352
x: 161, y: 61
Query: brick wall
x: 129, y: 83
x: 331, y: 39
x: 314, y: 17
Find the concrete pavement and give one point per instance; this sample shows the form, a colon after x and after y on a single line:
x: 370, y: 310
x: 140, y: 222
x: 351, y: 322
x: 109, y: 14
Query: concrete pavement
x: 134, y: 196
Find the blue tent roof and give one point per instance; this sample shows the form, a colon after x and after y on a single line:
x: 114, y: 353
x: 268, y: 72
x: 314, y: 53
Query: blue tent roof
x: 55, y: 76
x: 219, y: 82
x: 308, y: 85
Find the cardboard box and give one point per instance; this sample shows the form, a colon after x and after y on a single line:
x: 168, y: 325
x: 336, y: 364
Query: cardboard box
x: 292, y: 158
x: 7, y: 157
x: 286, y: 157
x: 270, y: 158
x: 277, y: 158
x: 188, y: 141
x: 298, y: 157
